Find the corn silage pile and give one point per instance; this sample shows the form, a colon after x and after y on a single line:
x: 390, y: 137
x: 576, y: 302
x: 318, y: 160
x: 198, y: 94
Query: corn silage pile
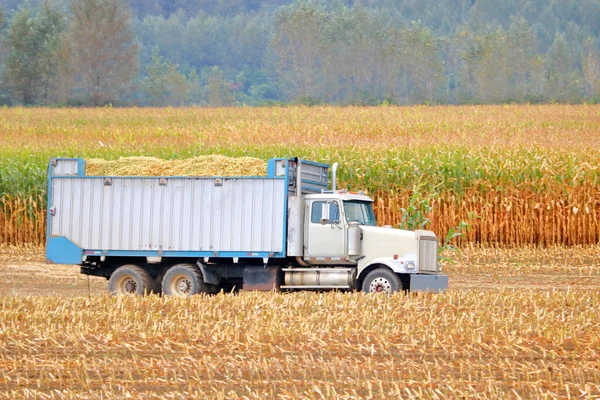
x: 211, y: 165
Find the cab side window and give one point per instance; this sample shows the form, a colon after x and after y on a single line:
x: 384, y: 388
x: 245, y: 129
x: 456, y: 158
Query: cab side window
x: 317, y: 207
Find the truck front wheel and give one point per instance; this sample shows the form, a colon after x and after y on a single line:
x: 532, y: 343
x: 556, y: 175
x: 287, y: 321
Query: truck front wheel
x: 381, y: 280
x: 130, y: 279
x: 183, y: 280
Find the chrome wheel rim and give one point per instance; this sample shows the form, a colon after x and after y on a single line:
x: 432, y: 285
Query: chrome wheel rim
x: 380, y: 285
x: 181, y: 285
x: 127, y: 285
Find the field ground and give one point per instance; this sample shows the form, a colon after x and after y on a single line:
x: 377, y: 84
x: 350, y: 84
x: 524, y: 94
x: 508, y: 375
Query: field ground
x: 521, y: 323
x: 473, y: 267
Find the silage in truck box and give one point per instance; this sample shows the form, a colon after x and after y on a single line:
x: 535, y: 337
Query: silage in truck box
x: 210, y: 165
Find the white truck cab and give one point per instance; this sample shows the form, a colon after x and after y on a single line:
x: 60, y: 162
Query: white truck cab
x: 341, y: 246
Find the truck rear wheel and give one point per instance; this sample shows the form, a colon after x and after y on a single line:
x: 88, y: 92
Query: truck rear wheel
x: 382, y: 280
x: 130, y: 279
x: 183, y: 280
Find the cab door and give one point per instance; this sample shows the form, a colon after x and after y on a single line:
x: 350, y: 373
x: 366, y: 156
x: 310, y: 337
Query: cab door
x: 324, y: 240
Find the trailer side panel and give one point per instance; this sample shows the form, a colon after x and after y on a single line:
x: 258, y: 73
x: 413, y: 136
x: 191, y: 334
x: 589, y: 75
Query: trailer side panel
x: 245, y: 215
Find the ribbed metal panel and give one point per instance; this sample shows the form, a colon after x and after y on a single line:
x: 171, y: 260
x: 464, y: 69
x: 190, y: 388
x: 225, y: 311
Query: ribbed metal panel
x: 428, y: 250
x: 65, y: 167
x: 185, y: 214
x: 314, y: 177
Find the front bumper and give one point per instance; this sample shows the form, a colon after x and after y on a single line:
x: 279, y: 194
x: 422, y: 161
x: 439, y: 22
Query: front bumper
x: 428, y: 283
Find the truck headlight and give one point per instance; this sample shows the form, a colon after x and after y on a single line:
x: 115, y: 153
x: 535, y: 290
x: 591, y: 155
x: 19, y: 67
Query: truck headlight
x: 410, y: 265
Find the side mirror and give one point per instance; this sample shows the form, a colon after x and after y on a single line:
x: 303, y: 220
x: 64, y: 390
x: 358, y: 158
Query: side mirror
x: 325, y: 213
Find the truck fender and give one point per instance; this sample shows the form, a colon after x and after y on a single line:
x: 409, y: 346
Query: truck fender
x: 208, y: 275
x: 398, y: 266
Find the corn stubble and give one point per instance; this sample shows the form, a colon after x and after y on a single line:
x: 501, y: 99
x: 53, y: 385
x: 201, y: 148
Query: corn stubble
x: 494, y: 344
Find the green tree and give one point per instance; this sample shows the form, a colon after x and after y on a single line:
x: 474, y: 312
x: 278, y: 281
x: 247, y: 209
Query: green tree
x: 195, y: 88
x: 359, y: 56
x: 485, y: 67
x: 423, y: 62
x: 218, y: 93
x: 563, y: 80
x: 299, y: 43
x: 21, y: 73
x: 164, y: 84
x: 4, y: 99
x: 103, y: 50
x: 590, y: 64
x: 33, y: 60
x: 525, y: 64
x: 1, y: 37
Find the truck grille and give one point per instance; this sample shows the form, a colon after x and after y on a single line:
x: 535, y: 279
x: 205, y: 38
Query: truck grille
x: 428, y: 254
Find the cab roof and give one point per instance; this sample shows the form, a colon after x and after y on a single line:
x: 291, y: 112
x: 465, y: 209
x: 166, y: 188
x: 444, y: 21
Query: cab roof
x: 341, y: 195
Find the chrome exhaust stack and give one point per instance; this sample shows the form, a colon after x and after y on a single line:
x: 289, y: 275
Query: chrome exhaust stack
x: 298, y: 177
x: 334, y: 176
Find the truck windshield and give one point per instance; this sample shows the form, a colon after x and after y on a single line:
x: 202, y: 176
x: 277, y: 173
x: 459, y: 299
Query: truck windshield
x: 361, y: 211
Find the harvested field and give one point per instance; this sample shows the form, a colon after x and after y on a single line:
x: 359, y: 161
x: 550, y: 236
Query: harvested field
x: 515, y: 323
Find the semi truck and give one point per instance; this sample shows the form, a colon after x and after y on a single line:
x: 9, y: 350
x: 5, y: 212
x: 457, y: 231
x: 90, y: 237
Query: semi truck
x: 288, y: 230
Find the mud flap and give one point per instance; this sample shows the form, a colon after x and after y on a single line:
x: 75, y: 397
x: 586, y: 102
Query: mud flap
x: 428, y: 283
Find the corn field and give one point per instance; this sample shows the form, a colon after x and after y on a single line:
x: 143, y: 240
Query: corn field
x: 517, y: 174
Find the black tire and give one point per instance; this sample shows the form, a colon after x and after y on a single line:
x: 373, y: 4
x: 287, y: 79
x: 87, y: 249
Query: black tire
x: 382, y: 280
x: 130, y: 279
x: 183, y: 280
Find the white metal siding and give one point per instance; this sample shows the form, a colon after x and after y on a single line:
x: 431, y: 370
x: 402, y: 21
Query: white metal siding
x: 65, y: 167
x: 188, y: 214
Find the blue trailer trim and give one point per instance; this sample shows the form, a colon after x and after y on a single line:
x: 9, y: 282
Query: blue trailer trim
x: 48, y: 205
x: 81, y: 167
x: 311, y: 182
x: 271, y: 167
x: 190, y: 254
x: 80, y: 173
x: 285, y: 208
x: 314, y: 163
x: 60, y: 250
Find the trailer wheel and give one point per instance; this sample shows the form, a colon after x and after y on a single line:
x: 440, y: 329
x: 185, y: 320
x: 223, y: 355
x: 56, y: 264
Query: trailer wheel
x: 183, y: 280
x: 130, y: 279
x: 382, y: 280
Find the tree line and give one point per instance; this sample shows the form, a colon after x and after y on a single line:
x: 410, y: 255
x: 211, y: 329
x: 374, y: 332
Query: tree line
x: 158, y: 53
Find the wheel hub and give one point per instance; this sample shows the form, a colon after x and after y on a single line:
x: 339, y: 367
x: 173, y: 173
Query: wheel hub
x: 128, y: 285
x: 183, y: 285
x: 380, y: 285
